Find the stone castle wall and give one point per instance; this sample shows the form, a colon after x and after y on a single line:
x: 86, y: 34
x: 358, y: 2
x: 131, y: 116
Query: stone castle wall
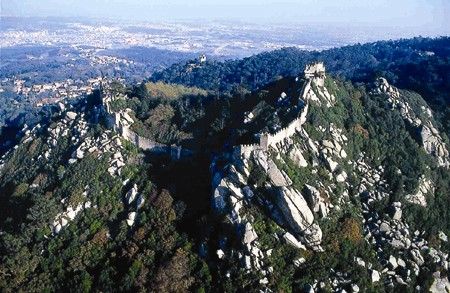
x: 175, y: 152
x: 267, y: 140
x: 315, y: 70
x: 245, y: 150
x: 142, y: 142
x: 273, y: 139
x: 120, y: 125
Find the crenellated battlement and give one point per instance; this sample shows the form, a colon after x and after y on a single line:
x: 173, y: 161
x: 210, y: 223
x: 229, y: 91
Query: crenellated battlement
x: 250, y: 145
x: 122, y: 122
x: 314, y: 72
x: 295, y: 125
x: 316, y: 69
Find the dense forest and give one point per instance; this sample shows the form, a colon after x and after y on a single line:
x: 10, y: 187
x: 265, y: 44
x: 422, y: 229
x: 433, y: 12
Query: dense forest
x: 83, y: 209
x: 419, y: 64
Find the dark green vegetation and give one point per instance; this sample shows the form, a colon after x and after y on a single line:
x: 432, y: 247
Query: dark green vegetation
x: 419, y: 64
x: 97, y: 251
x: 200, y: 120
x: 371, y: 127
x: 382, y: 135
x: 172, y: 245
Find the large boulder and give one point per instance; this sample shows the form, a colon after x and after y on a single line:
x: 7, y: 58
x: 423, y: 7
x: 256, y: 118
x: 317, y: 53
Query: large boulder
x: 140, y: 201
x: 417, y: 257
x: 393, y: 262
x: 61, y: 106
x: 341, y: 177
x: 434, y: 145
x: 440, y: 284
x: 425, y: 187
x: 315, y: 201
x: 313, y: 235
x: 312, y: 196
x: 297, y: 157
x: 290, y: 239
x: 71, y: 115
x: 396, y: 211
x: 131, y: 218
x: 249, y: 234
x: 131, y: 194
x: 277, y: 177
x: 332, y: 165
x: 221, y: 194
x: 294, y: 208
x: 375, y: 276
x: 328, y: 144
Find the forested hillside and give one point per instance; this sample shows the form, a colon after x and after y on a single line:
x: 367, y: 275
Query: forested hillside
x: 258, y: 175
x: 419, y: 64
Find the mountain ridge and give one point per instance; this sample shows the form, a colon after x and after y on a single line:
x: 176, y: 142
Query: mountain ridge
x: 310, y: 183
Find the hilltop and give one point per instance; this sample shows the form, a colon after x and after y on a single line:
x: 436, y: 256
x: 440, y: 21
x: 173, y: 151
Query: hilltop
x: 204, y: 181
x: 419, y: 64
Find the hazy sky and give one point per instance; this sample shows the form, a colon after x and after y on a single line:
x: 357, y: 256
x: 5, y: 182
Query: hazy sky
x: 432, y: 14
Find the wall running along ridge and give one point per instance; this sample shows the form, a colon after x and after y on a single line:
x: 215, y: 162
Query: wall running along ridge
x: 120, y: 122
x: 266, y: 139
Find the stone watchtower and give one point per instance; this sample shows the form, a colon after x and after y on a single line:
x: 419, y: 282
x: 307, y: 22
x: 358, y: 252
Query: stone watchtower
x: 316, y: 72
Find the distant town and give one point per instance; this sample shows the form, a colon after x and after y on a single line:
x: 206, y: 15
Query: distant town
x: 54, y: 92
x: 45, y: 60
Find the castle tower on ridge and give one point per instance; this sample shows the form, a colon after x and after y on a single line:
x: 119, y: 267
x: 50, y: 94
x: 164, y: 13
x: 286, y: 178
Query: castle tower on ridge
x: 316, y: 72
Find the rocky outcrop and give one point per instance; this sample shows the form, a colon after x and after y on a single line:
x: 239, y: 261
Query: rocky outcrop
x: 316, y: 201
x: 391, y: 230
x: 234, y: 194
x: 131, y: 218
x: 440, y: 284
x: 431, y: 140
x: 295, y: 154
x: 71, y: 115
x: 294, y: 208
x: 277, y: 177
x: 434, y: 145
x: 131, y: 195
x: 133, y: 201
x: 425, y: 187
x: 64, y: 218
x: 296, y: 211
